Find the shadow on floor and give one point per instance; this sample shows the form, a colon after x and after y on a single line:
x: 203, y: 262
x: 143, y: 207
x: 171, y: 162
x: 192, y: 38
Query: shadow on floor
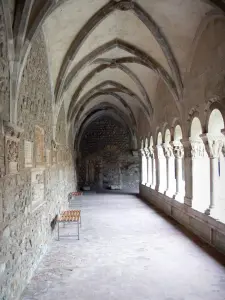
x: 210, y: 250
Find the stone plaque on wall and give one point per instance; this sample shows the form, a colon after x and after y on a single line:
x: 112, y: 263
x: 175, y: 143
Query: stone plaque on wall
x: 28, y: 154
x: 37, y: 186
x: 39, y: 146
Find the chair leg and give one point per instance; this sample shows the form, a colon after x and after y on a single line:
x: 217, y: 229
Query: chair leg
x: 80, y: 221
x: 78, y: 230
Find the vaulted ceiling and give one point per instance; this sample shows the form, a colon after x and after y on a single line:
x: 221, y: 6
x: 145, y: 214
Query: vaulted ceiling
x: 112, y: 54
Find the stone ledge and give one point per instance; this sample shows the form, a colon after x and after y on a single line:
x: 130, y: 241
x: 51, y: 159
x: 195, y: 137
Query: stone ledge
x: 214, y: 231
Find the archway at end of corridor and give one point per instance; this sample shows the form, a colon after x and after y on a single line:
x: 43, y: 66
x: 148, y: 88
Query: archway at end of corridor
x: 106, y: 157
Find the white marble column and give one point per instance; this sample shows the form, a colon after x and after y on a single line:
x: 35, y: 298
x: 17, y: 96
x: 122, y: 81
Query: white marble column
x: 178, y: 152
x: 213, y: 146
x: 152, y: 151
x: 161, y: 178
x: 149, y: 168
x: 170, y: 174
x: 143, y: 167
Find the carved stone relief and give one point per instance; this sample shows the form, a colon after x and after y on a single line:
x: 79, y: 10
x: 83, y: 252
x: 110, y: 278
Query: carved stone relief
x: 12, y: 139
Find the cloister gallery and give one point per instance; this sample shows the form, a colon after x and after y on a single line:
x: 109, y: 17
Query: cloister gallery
x: 114, y: 109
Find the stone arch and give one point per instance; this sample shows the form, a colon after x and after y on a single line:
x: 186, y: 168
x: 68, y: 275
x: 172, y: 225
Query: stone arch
x: 215, y: 122
x: 140, y: 57
x: 87, y: 78
x: 95, y: 115
x: 195, y: 128
x: 159, y: 138
x: 167, y: 136
x: 216, y: 106
x: 175, y: 123
x: 178, y: 135
x: 99, y: 17
x: 210, y: 17
x: 117, y: 88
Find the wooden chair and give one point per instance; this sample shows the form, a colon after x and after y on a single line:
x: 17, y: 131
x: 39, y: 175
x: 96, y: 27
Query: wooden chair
x: 70, y: 216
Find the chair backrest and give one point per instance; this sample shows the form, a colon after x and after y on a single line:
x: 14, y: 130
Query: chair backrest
x: 75, y: 201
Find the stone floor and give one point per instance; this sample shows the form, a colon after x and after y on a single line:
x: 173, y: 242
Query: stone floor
x: 128, y: 251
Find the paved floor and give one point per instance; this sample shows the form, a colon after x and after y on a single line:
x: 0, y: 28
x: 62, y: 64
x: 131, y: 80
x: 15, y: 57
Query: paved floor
x: 127, y: 251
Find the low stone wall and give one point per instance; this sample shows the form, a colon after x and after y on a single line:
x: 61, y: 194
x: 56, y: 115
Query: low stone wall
x: 26, y: 229
x: 207, y: 228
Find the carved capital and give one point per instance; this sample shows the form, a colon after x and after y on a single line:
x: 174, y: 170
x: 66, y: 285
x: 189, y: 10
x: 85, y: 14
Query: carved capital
x: 213, y: 144
x: 197, y: 149
x: 168, y: 150
x: 142, y: 152
x: 178, y: 149
x: 147, y: 153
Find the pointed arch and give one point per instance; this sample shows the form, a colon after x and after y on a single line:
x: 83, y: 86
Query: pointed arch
x: 84, y: 82
x: 140, y: 58
x: 96, y: 19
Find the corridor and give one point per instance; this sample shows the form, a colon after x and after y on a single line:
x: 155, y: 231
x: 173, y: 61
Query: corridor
x: 128, y: 251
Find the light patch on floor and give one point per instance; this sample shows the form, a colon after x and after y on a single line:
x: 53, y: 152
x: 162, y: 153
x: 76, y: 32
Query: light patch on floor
x: 126, y: 251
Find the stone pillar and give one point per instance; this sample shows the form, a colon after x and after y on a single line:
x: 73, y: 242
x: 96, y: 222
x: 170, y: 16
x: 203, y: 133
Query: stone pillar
x: 12, y: 135
x: 213, y: 145
x: 149, y: 168
x: 152, y: 152
x: 170, y: 175
x: 194, y: 152
x: 161, y: 179
x: 178, y: 151
x: 143, y: 167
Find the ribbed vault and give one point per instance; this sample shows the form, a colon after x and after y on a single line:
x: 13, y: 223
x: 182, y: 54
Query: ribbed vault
x: 102, y: 51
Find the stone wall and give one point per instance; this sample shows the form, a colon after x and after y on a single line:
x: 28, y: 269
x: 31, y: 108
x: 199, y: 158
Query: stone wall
x: 37, y: 177
x: 106, y: 156
x: 4, y: 69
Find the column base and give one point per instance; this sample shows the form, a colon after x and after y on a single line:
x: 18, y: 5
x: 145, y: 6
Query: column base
x: 169, y: 193
x: 179, y: 197
x: 188, y: 201
x: 161, y: 190
x: 212, y: 212
x: 153, y: 186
